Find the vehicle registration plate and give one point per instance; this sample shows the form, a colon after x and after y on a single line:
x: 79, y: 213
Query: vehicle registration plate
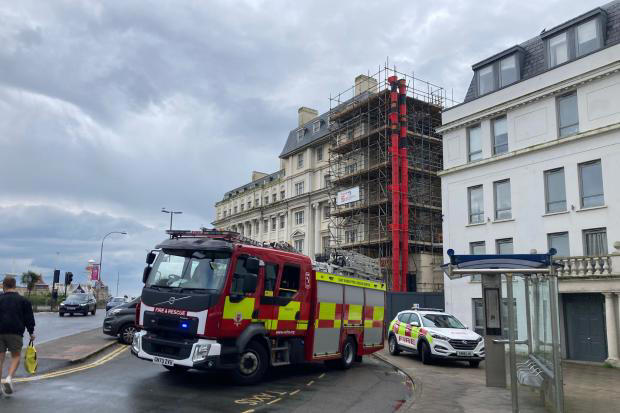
x: 465, y: 353
x: 163, y: 361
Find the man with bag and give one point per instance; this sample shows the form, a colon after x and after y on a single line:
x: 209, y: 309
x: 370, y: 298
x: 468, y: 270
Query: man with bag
x: 15, y: 316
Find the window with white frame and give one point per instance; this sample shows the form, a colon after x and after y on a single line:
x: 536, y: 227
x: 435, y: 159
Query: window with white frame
x: 477, y: 248
x: 299, y: 245
x: 350, y: 169
x: 282, y: 221
x: 266, y: 200
x: 326, y: 180
x: 266, y: 226
x: 274, y: 197
x: 474, y: 143
x: 486, y: 80
x: 282, y: 195
x: 316, y: 126
x: 508, y: 70
x: 299, y: 188
x: 273, y: 223
x: 350, y: 236
x: 595, y: 242
x: 299, y: 217
x: 300, y: 161
x: 555, y: 191
x: 504, y: 246
x: 559, y: 241
x: 500, y: 135
x: 591, y: 184
x: 325, y: 244
x: 326, y: 212
x: 476, y: 204
x: 588, y: 39
x: 319, y: 153
x: 568, y: 117
x: 557, y: 47
x: 300, y: 134
x: 503, y: 207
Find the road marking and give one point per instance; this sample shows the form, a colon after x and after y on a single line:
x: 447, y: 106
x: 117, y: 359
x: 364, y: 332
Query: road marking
x: 321, y: 376
x: 294, y: 392
x: 248, y: 411
x: 275, y: 401
x: 310, y: 383
x: 112, y: 355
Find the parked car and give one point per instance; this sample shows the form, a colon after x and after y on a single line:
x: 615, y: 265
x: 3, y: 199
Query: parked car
x: 120, y: 321
x: 434, y: 334
x: 80, y: 303
x: 114, y: 302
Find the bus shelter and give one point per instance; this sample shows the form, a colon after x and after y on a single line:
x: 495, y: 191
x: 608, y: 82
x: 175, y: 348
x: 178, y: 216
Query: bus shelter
x: 518, y: 290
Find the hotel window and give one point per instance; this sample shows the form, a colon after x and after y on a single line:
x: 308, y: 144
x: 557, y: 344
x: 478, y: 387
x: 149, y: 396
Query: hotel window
x: 595, y: 242
x: 266, y: 200
x: 486, y: 80
x: 316, y: 126
x: 477, y: 248
x: 500, y: 136
x: 558, y: 49
x: 504, y: 246
x: 319, y: 153
x: 299, y: 188
x: 508, y: 70
x: 350, y: 236
x: 273, y: 223
x: 326, y: 212
x: 266, y: 226
x: 588, y: 38
x: 555, y: 191
x: 474, y: 143
x: 559, y: 241
x: 299, y: 245
x: 591, y: 184
x: 476, y: 205
x: 274, y: 197
x: 300, y: 134
x: 325, y: 244
x: 299, y: 217
x: 503, y: 208
x: 282, y: 221
x: 282, y: 195
x: 300, y: 161
x: 568, y: 118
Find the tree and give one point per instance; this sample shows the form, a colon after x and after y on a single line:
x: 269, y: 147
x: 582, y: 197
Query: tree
x: 30, y: 279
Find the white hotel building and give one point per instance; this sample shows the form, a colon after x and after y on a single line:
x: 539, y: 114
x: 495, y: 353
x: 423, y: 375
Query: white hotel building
x: 532, y: 161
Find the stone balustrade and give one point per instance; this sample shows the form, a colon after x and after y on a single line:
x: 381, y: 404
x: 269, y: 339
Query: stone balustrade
x: 576, y: 266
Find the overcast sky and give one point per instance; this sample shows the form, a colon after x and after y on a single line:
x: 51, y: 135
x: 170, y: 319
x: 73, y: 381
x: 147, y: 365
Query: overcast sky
x: 111, y: 110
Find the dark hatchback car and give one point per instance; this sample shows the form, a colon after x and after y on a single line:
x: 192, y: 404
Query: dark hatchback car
x: 81, y: 303
x: 120, y: 321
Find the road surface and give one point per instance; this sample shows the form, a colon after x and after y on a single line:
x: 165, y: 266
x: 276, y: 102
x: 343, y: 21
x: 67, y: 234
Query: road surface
x: 127, y: 384
x: 50, y: 326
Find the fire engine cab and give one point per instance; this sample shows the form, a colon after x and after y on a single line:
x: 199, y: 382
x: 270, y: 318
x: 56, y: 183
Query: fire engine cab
x: 216, y: 300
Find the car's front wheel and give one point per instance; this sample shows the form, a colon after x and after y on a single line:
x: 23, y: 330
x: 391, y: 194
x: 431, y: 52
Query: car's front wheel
x: 126, y: 333
x: 393, y: 346
x: 425, y: 353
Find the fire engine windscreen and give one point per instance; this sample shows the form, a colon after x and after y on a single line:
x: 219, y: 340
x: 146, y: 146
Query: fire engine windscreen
x: 441, y: 321
x: 196, y: 270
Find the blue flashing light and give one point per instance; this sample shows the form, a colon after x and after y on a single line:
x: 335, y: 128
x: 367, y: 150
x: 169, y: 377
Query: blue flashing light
x: 184, y: 325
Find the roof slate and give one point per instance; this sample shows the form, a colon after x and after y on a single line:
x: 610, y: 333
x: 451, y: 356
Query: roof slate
x: 293, y: 144
x: 534, y: 56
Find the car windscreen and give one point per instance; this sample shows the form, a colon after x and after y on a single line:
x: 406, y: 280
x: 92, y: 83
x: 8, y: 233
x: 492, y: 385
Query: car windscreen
x: 79, y: 298
x: 200, y: 270
x: 441, y: 321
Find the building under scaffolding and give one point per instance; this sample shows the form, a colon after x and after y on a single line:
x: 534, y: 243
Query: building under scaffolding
x: 384, y: 187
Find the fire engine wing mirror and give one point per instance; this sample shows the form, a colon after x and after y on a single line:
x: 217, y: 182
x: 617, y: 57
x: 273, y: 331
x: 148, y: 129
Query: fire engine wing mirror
x: 150, y: 258
x: 249, y: 283
x: 252, y: 264
x: 145, y: 274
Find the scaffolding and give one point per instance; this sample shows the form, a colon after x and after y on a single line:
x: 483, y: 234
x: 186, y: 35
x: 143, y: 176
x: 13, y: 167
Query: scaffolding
x: 379, y: 125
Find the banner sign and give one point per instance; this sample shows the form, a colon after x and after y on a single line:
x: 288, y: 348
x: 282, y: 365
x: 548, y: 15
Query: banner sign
x: 348, y: 195
x: 94, y: 273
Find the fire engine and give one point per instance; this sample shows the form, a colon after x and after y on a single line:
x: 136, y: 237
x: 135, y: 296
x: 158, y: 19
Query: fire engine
x: 217, y: 300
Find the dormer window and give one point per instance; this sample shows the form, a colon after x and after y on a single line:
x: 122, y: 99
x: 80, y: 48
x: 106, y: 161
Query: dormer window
x: 499, y: 71
x: 300, y: 134
x: 575, y: 38
x: 316, y: 126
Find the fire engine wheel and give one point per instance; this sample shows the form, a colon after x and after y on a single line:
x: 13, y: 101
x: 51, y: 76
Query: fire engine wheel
x: 348, y: 354
x: 252, y: 364
x: 393, y: 346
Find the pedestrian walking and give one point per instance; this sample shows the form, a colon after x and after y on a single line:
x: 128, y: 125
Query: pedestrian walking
x: 15, y: 317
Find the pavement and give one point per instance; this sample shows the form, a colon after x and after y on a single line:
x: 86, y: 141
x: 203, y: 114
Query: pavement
x: 114, y: 379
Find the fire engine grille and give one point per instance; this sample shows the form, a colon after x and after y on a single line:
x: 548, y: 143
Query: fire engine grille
x: 463, y: 344
x: 160, y: 348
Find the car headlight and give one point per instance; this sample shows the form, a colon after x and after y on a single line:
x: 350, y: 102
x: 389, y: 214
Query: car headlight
x: 114, y: 311
x: 439, y: 336
x: 62, y: 304
x: 201, y: 352
x: 479, y: 339
x: 135, y: 344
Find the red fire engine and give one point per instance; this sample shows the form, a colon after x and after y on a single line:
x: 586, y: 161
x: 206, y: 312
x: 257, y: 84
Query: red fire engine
x: 215, y: 300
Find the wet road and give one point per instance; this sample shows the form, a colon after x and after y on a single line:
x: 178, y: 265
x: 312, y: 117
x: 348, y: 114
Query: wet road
x: 49, y: 326
x: 127, y: 384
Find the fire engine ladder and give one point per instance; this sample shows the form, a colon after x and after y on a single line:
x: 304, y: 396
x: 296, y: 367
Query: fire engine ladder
x: 349, y: 263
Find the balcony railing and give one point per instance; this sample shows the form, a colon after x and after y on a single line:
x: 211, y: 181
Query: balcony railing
x: 601, y: 266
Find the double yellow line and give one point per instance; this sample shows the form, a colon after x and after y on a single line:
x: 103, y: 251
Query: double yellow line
x: 108, y: 357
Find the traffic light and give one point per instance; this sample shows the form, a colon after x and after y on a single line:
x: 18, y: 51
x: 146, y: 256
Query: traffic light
x: 68, y: 277
x: 56, y: 276
x: 55, y: 295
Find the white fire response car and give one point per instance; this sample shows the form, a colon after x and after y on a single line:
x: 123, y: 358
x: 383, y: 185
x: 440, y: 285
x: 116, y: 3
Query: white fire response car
x: 434, y: 334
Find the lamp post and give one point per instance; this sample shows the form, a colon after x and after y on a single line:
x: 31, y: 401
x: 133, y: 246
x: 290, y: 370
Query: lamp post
x: 171, y: 212
x: 101, y: 252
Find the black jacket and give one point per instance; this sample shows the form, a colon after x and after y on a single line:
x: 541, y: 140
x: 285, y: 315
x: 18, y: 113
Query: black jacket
x: 15, y: 314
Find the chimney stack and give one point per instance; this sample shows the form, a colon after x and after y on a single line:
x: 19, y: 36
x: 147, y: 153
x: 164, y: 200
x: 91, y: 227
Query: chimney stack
x: 365, y: 83
x: 306, y: 115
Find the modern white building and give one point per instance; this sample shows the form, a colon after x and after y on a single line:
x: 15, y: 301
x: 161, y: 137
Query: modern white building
x: 290, y: 205
x: 532, y: 161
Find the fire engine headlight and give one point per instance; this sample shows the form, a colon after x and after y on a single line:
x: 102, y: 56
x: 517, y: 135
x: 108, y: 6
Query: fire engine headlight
x: 135, y: 345
x: 439, y: 336
x: 201, y: 352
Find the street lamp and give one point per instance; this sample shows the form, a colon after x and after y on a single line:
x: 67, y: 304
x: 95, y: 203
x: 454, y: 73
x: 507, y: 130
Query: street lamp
x: 171, y: 212
x: 101, y: 252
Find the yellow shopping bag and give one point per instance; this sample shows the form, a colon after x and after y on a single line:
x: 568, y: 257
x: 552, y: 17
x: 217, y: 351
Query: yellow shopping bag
x: 30, y: 362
